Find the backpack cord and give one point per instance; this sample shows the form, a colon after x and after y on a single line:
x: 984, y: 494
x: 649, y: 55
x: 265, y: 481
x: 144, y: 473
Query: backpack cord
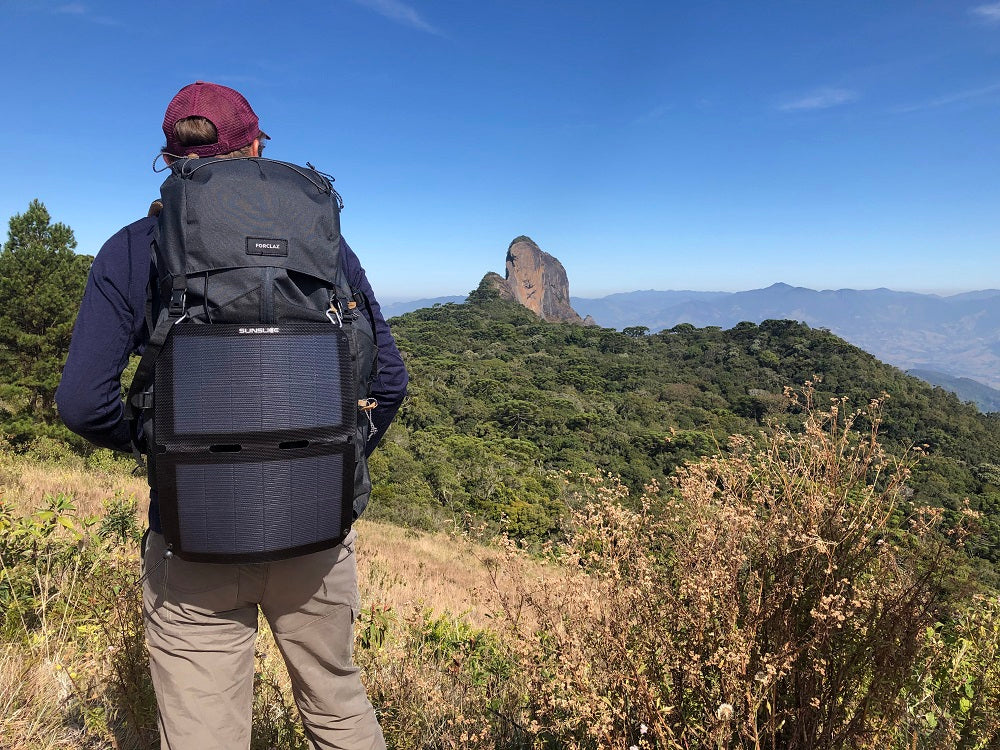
x: 165, y: 560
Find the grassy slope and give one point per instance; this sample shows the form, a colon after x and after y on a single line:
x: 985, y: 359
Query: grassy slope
x: 402, y: 568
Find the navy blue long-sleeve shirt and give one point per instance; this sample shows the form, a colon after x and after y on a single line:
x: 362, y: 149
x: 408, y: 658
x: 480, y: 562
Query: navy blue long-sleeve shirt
x: 111, y: 326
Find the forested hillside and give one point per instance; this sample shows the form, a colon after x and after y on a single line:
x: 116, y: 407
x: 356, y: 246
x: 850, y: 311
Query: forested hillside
x: 501, y: 402
x: 957, y: 335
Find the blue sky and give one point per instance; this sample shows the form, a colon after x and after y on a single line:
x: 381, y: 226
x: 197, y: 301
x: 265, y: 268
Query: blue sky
x: 648, y: 145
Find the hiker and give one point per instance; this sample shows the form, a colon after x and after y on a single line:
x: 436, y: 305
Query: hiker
x: 201, y: 617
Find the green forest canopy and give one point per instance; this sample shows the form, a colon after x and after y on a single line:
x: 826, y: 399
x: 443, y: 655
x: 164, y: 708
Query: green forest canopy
x: 500, y: 399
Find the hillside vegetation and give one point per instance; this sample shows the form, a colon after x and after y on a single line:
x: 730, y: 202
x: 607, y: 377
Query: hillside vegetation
x: 779, y: 599
x: 746, y: 539
x: 501, y: 402
x: 957, y: 334
x: 986, y: 398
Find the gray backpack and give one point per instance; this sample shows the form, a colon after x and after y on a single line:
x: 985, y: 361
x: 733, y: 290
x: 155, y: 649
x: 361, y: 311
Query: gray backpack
x: 258, y: 365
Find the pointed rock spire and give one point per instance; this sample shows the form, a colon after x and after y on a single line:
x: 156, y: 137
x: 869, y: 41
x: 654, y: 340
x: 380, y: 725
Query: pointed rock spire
x: 536, y: 280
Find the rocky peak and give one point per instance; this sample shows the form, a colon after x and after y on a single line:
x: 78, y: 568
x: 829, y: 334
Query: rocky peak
x: 536, y: 280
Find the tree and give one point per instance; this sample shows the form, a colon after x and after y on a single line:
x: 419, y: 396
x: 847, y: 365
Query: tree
x: 41, y: 285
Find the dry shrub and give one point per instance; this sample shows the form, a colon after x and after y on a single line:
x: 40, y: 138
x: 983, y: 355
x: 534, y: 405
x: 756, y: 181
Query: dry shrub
x: 70, y: 618
x: 763, y: 605
x: 778, y: 597
x: 437, y: 682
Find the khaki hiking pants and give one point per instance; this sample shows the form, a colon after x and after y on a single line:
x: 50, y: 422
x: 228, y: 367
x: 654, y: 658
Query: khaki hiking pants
x: 201, y: 624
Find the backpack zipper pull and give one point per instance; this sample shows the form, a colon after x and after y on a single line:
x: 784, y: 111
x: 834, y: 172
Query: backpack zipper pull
x: 367, y: 406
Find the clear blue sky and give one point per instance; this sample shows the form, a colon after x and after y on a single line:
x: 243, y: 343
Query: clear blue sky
x: 647, y: 144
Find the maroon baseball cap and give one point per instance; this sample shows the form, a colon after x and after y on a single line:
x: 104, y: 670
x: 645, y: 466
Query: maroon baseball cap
x: 234, y: 119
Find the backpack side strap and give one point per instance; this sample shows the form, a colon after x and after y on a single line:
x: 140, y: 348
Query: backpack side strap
x: 361, y: 297
x: 139, y: 396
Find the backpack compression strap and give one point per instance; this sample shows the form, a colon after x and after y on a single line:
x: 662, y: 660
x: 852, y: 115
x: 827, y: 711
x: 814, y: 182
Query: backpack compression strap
x: 139, y: 396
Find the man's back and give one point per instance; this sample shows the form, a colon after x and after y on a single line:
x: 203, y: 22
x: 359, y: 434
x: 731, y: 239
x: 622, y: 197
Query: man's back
x: 201, y: 618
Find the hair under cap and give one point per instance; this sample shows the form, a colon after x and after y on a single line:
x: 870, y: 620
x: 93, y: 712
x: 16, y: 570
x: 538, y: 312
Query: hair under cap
x: 230, y: 113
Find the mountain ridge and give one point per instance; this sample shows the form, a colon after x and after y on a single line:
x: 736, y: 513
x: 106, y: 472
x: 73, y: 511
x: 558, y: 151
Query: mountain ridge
x: 956, y: 335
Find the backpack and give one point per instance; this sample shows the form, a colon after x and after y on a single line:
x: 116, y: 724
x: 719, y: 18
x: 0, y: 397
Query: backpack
x: 258, y: 365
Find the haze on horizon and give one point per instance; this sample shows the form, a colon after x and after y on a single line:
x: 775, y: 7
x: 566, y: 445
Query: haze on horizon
x: 717, y: 146
x: 599, y: 293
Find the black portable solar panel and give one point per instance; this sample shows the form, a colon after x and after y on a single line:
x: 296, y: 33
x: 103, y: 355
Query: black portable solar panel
x: 255, y: 447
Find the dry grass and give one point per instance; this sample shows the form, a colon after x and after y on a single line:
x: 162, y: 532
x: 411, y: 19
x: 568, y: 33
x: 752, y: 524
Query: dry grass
x: 401, y: 568
x: 24, y: 483
x: 406, y: 570
x: 413, y: 571
x: 32, y: 695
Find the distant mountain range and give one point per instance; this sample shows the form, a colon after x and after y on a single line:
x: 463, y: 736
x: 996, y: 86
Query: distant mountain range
x: 392, y: 309
x: 940, y: 338
x: 958, y: 336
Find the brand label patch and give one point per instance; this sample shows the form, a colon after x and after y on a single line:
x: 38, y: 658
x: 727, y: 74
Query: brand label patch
x: 266, y: 246
x: 268, y: 329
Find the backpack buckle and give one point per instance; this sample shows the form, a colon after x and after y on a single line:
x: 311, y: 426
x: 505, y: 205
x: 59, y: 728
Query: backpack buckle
x: 143, y: 400
x: 178, y: 299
